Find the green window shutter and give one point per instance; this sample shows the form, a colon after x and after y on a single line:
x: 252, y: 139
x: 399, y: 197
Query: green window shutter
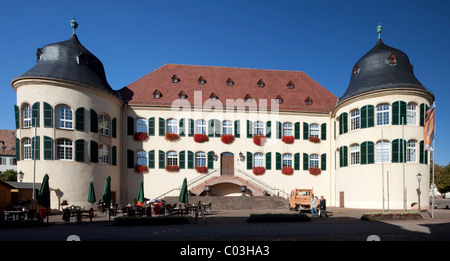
x: 421, y: 152
x: 297, y: 161
x: 278, y: 161
x: 162, y: 127
x: 210, y: 128
x: 279, y: 130
x: 151, y: 126
x: 130, y: 159
x: 297, y: 130
x: 182, y: 128
x: 94, y: 151
x: 151, y: 159
x: 94, y: 121
x: 395, y: 113
x: 79, y: 150
x: 35, y: 115
x: 35, y: 149
x: 340, y: 124
x: 79, y: 119
x: 403, y: 112
x: 395, y: 154
x: 114, y: 155
x: 210, y: 160
x: 370, y: 116
x: 17, y: 149
x: 426, y: 157
x: 237, y: 128
x: 249, y: 160
x: 182, y: 159
x: 323, y: 162
x: 341, y: 157
x: 269, y: 129
x: 162, y: 159
x: 345, y: 122
x: 268, y: 160
x: 363, y: 117
x: 17, y: 116
x: 191, y: 128
x: 114, y: 128
x: 422, y: 116
x: 323, y: 131
x: 305, y: 161
x: 305, y: 131
x: 249, y: 129
x: 48, y: 115
x: 363, y: 153
x: 345, y: 156
x: 370, y: 152
x: 217, y: 129
x: 190, y: 159
x: 130, y: 126
x: 48, y: 148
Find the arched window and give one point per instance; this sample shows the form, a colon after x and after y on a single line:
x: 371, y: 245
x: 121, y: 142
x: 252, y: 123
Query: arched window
x: 172, y: 158
x: 411, y: 114
x: 354, y: 154
x: 314, y: 161
x: 200, y: 159
x: 64, y: 149
x: 141, y: 125
x: 287, y: 129
x: 227, y: 128
x: 200, y: 127
x: 287, y: 160
x: 26, y: 116
x: 27, y: 149
x: 411, y: 151
x: 383, y: 151
x: 64, y: 117
x: 103, y: 125
x: 259, y: 128
x: 314, y: 130
x: 259, y: 160
x: 104, y: 154
x: 172, y: 126
x: 354, y: 120
x: 141, y: 158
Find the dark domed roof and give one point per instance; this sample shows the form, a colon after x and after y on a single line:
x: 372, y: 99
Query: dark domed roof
x: 383, y: 67
x: 71, y: 61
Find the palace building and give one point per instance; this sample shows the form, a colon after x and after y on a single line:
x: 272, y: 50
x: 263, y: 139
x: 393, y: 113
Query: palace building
x: 221, y: 128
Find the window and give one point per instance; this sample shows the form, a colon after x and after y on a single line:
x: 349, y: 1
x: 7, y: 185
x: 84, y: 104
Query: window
x: 259, y: 128
x: 227, y: 128
x: 104, y: 154
x: 26, y: 112
x: 287, y: 129
x: 393, y: 59
x: 261, y: 83
x: 141, y: 158
x: 383, y: 151
x: 157, y: 94
x: 27, y: 149
x: 182, y: 95
x: 354, y: 120
x: 382, y: 114
x: 291, y: 85
x: 411, y: 114
x: 354, y: 154
x: 314, y: 161
x: 64, y: 117
x: 200, y: 159
x: 248, y: 98
x: 172, y: 158
x: 213, y: 97
x: 411, y: 151
x: 175, y: 79
x: 287, y: 160
x: 172, y: 126
x: 314, y: 130
x: 200, y: 127
x: 230, y: 82
x: 259, y: 160
x: 308, y: 101
x: 141, y: 125
x: 279, y: 100
x: 355, y: 70
x: 201, y: 80
x: 103, y: 125
x: 64, y: 149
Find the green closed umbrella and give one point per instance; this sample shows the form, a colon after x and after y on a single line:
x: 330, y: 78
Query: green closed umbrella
x: 91, y: 195
x: 140, y: 195
x: 184, y: 193
x: 106, y: 198
x: 43, y: 195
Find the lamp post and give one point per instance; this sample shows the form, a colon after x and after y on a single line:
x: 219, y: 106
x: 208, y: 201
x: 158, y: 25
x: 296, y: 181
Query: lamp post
x: 20, y: 175
x: 419, y: 178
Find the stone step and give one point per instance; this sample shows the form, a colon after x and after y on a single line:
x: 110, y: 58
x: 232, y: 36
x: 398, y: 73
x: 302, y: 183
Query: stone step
x: 236, y: 203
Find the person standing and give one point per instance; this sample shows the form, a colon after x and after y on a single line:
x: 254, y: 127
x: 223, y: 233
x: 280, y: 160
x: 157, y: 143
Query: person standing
x: 313, y: 205
x: 322, y: 207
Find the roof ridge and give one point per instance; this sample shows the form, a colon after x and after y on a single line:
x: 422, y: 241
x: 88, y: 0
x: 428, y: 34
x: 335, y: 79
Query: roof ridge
x: 230, y: 67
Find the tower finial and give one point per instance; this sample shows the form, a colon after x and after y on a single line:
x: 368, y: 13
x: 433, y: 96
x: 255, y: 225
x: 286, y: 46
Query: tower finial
x: 74, y: 24
x: 379, y: 29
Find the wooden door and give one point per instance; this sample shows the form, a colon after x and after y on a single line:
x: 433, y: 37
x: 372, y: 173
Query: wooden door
x: 341, y: 199
x: 227, y: 164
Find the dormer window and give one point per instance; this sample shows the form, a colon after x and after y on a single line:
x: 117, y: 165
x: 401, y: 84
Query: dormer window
x: 355, y: 70
x: 182, y: 95
x: 393, y: 59
x: 260, y: 83
x: 248, y: 98
x: 82, y: 59
x: 279, y: 100
x: 290, y: 85
x: 175, y: 79
x: 157, y: 94
x: 38, y: 54
x: 201, y: 80
x: 308, y: 101
x: 230, y: 82
x: 213, y: 97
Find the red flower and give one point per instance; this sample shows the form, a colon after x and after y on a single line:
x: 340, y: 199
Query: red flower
x: 287, y: 170
x: 172, y: 136
x: 201, y: 169
x: 314, y: 139
x: 200, y: 137
x: 227, y: 138
x: 140, y: 136
x: 259, y: 170
x: 288, y: 139
x: 172, y: 168
x: 259, y: 140
x: 140, y: 169
x: 315, y: 171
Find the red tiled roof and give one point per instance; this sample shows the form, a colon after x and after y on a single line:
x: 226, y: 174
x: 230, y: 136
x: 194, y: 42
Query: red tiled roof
x: 8, y: 142
x: 275, y: 83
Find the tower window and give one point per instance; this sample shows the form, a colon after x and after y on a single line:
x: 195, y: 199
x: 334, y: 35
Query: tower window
x: 82, y: 59
x: 355, y: 70
x: 393, y: 59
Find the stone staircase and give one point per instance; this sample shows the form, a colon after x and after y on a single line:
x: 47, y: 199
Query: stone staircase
x: 236, y: 203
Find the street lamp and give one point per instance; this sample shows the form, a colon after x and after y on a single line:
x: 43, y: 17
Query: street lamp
x: 419, y: 178
x: 20, y: 175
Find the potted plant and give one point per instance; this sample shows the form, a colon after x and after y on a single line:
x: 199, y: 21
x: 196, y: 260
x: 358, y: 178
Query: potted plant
x: 227, y: 138
x: 200, y: 138
x: 287, y: 170
x: 315, y: 171
x: 259, y: 170
x: 259, y: 140
x: 140, y: 136
x: 314, y: 139
x: 288, y: 139
x: 201, y: 169
x: 172, y: 136
x: 172, y: 168
x: 140, y: 169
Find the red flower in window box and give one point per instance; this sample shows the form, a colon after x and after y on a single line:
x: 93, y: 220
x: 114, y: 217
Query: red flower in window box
x: 287, y: 170
x: 140, y: 136
x: 259, y: 140
x: 315, y: 171
x: 288, y: 139
x: 227, y: 138
x: 140, y: 169
x: 200, y: 138
x: 172, y: 168
x: 314, y: 139
x: 172, y: 136
x: 201, y: 169
x: 259, y: 170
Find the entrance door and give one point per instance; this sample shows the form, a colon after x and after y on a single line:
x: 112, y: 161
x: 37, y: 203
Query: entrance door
x: 341, y: 199
x: 227, y: 164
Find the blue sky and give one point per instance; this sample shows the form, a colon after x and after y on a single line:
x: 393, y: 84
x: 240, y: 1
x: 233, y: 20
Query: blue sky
x: 322, y: 38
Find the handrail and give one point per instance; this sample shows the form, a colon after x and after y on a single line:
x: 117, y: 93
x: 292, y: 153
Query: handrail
x: 193, y: 181
x: 264, y: 186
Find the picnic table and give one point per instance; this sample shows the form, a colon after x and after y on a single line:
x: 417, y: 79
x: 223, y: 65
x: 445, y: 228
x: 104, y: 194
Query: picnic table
x: 77, y: 213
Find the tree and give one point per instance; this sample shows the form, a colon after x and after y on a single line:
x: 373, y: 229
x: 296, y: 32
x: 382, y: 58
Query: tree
x: 442, y: 179
x: 8, y: 175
